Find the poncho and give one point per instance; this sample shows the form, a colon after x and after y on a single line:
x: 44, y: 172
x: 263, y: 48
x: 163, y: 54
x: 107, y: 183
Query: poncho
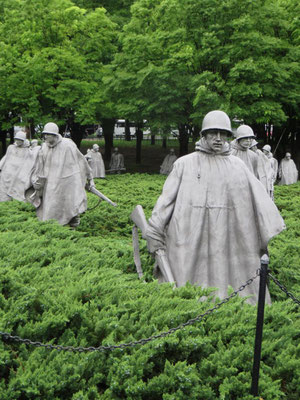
x: 274, y: 164
x: 264, y: 171
x: 167, y: 165
x: 66, y: 171
x: 16, y: 168
x: 246, y: 155
x: 214, y: 218
x: 288, y: 172
x: 97, y: 164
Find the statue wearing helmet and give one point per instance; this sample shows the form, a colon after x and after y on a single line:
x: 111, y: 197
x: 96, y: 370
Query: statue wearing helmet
x: 241, y: 147
x: 116, y: 165
x: 16, y: 167
x: 96, y: 162
x: 167, y: 165
x: 274, y: 163
x: 59, y: 179
x: 288, y: 173
x: 213, y: 218
x: 264, y: 168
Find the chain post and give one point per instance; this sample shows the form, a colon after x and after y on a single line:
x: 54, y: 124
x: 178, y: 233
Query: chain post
x: 264, y: 262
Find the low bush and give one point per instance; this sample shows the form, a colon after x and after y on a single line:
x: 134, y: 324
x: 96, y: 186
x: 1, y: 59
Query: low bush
x: 80, y: 288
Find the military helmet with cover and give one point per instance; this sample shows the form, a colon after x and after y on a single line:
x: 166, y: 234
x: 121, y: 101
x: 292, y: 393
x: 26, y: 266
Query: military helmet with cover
x: 51, y: 129
x: 20, y: 135
x: 267, y: 148
x: 244, y: 131
x: 216, y: 120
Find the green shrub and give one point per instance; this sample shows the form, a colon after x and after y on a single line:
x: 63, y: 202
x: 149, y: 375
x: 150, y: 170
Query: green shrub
x: 80, y: 288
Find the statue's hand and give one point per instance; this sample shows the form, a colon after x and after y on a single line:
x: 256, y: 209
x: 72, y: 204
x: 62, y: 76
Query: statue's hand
x: 39, y: 183
x: 91, y: 184
x: 154, y: 245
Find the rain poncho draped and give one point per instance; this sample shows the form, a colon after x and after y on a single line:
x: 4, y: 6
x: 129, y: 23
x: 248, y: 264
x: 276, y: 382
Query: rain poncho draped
x: 96, y: 163
x: 214, y: 218
x: 264, y: 171
x: 287, y: 172
x: 274, y: 164
x: 16, y: 168
x: 167, y: 165
x: 65, y: 170
x: 246, y: 155
x: 116, y: 162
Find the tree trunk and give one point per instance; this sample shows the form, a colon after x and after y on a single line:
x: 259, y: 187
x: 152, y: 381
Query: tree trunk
x: 183, y: 140
x: 164, y: 143
x: 108, y: 127
x: 29, y: 129
x: 196, y: 133
x: 152, y: 140
x: 127, y: 130
x: 139, y: 138
x: 11, y: 135
x: 297, y: 152
x: 294, y: 142
x: 77, y: 132
x: 3, y: 141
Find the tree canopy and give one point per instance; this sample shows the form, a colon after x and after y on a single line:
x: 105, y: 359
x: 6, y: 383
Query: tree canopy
x: 164, y: 61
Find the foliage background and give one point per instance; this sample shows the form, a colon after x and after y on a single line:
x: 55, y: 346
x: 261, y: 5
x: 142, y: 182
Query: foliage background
x: 80, y: 288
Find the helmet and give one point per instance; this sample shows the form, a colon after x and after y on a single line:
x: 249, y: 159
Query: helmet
x: 51, y: 128
x: 95, y: 146
x: 21, y: 135
x: 244, y: 131
x: 267, y: 148
x: 216, y: 120
x: 254, y: 143
x: 34, y: 142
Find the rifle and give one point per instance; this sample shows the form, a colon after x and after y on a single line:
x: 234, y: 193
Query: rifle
x: 92, y: 189
x: 139, y: 219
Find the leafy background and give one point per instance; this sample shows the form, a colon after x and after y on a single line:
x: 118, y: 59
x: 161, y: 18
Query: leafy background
x: 80, y: 288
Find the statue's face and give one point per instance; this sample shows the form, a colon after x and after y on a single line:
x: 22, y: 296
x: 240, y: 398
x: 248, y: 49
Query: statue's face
x: 265, y: 152
x: 254, y: 148
x: 245, y: 142
x: 95, y: 147
x: 50, y: 139
x: 19, y: 142
x: 288, y: 156
x: 215, y: 139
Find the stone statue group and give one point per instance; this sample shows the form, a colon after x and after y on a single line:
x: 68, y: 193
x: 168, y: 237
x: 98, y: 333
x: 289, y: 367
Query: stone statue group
x: 260, y: 162
x: 53, y: 176
x: 210, y: 225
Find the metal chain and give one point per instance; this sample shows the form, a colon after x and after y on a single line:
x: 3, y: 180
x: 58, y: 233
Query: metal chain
x: 284, y: 289
x: 93, y: 208
x: 142, y: 342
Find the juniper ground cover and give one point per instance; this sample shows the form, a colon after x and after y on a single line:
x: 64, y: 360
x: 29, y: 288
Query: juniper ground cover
x: 80, y: 288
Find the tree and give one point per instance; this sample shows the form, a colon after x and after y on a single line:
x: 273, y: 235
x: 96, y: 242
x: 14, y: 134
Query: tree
x: 54, y: 62
x: 181, y: 59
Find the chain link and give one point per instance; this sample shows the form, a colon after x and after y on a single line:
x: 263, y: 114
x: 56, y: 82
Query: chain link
x: 7, y: 336
x: 93, y: 208
x: 284, y: 289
